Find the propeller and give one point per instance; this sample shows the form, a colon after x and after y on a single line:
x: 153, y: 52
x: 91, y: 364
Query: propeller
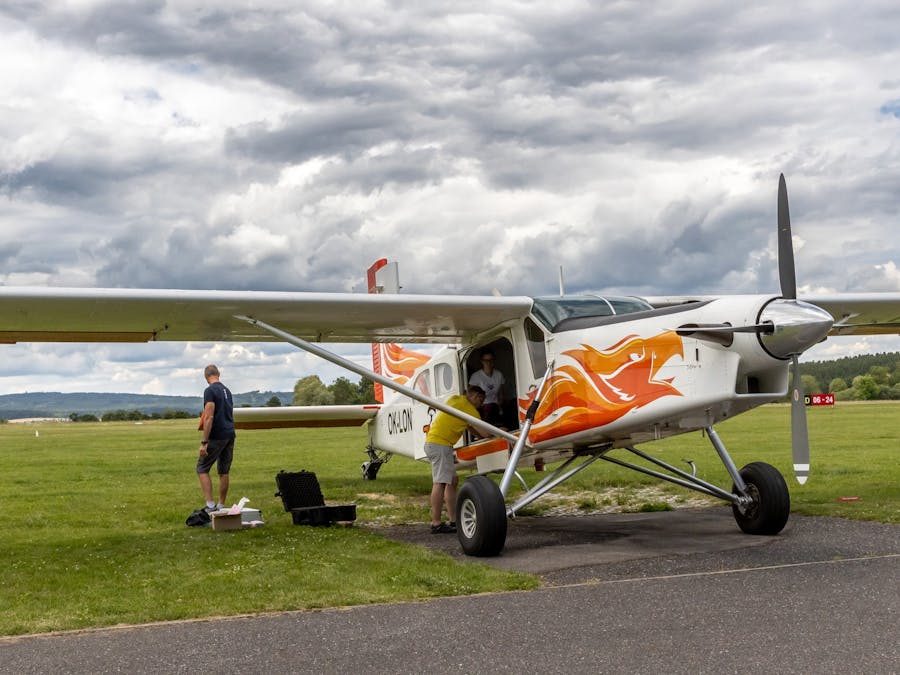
x: 786, y: 327
x: 799, y: 431
x: 786, y: 274
x: 788, y: 278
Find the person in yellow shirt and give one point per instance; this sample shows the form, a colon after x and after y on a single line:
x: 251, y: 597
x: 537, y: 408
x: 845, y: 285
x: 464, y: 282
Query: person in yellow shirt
x: 439, y: 441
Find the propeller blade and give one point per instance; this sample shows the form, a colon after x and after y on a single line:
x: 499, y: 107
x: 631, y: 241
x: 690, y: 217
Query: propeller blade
x: 786, y: 274
x: 799, y: 432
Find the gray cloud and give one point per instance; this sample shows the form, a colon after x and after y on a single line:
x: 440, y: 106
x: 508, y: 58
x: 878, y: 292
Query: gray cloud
x: 345, y: 133
x: 150, y: 144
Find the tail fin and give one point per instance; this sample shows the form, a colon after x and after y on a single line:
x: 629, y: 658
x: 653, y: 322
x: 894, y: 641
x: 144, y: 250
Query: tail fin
x: 382, y: 278
x: 390, y: 360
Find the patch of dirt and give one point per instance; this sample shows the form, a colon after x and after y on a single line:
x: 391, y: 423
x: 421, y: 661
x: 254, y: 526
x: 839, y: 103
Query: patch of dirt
x: 615, y: 500
x: 378, y: 497
x: 386, y: 510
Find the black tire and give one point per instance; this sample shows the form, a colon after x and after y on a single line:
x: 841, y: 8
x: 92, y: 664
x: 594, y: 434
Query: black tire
x: 370, y: 470
x: 771, y: 506
x: 480, y: 517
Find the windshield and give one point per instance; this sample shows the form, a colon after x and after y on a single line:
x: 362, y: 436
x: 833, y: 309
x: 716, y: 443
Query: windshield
x: 552, y: 311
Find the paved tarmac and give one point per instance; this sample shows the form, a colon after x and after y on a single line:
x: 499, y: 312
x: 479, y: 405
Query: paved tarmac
x: 674, y: 592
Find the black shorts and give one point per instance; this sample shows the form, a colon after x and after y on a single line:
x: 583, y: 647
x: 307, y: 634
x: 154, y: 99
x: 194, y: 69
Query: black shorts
x: 221, y: 451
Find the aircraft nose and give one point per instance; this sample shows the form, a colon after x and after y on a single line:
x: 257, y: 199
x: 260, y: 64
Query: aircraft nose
x: 796, y: 326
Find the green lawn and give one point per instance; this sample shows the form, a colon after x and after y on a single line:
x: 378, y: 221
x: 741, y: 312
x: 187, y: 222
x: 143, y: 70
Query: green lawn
x: 93, y: 530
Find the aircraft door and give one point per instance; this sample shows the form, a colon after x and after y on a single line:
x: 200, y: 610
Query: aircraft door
x: 440, y: 381
x: 483, y: 364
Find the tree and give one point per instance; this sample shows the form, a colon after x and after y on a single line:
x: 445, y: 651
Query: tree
x: 344, y: 392
x: 366, y: 390
x: 310, y: 391
x: 810, y: 384
x: 169, y: 414
x: 86, y: 417
x: 866, y: 387
x: 273, y: 402
x: 837, y: 384
x: 881, y: 374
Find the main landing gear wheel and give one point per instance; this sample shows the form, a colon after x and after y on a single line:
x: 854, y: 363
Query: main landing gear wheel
x: 481, y: 517
x: 770, y: 507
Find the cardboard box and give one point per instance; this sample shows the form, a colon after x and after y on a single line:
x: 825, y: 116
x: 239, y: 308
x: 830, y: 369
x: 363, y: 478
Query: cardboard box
x: 222, y: 520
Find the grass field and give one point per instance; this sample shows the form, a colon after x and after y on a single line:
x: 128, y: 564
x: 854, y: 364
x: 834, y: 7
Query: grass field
x: 92, y: 531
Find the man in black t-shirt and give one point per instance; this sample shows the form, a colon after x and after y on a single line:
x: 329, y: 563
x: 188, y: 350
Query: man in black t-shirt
x: 217, y: 444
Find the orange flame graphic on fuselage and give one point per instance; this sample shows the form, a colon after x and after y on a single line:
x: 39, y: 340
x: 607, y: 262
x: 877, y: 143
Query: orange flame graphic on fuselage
x: 602, y: 386
x: 396, y: 362
x: 400, y: 363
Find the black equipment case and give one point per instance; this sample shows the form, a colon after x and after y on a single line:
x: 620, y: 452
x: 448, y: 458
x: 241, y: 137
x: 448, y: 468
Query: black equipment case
x: 302, y: 497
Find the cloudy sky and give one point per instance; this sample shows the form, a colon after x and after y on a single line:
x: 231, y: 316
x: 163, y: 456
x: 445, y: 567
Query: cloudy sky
x: 284, y: 145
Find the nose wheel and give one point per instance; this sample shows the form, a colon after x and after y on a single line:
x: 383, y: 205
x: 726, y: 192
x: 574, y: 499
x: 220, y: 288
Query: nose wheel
x: 376, y: 460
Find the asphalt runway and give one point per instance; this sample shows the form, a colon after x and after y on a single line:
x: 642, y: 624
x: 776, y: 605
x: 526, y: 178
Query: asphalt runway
x: 674, y: 592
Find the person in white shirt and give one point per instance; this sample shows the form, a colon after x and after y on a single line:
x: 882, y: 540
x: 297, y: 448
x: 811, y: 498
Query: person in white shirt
x: 491, y: 380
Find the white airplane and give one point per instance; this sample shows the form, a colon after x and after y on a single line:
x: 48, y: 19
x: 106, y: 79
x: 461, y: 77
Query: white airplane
x: 591, y: 375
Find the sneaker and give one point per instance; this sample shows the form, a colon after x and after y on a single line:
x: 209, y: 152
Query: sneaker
x: 221, y: 507
x: 443, y: 528
x: 210, y: 509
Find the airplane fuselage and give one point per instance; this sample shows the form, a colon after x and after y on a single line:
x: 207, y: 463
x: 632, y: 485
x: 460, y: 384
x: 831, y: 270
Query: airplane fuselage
x: 616, y: 380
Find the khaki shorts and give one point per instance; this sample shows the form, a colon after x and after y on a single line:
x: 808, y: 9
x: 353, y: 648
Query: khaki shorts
x: 218, y: 452
x: 441, y: 458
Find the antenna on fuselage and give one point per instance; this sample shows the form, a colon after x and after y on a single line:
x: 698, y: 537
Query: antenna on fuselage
x: 562, y: 290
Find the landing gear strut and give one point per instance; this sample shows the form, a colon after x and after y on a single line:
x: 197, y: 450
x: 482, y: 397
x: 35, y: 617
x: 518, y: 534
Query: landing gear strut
x: 759, y: 496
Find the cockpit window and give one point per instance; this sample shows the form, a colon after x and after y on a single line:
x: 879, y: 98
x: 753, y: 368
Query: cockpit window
x: 628, y: 305
x: 553, y: 311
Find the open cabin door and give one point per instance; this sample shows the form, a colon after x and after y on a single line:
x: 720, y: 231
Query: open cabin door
x: 497, y: 355
x: 440, y: 380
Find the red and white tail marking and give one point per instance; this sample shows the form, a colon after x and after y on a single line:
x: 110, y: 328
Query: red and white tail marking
x: 382, y: 277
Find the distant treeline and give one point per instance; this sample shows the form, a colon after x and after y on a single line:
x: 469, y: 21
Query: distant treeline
x: 56, y: 404
x: 868, y: 377
x: 311, y: 390
x: 131, y: 415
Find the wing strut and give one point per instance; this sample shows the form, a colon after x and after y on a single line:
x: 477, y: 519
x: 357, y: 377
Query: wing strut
x: 476, y: 422
x: 523, y: 435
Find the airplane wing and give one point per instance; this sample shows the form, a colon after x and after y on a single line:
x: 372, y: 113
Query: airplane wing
x: 854, y: 313
x: 304, y: 416
x: 48, y: 314
x: 861, y: 313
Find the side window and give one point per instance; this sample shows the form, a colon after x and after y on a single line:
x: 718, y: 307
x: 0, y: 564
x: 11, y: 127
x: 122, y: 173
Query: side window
x: 537, y: 350
x: 443, y: 378
x: 423, y: 382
